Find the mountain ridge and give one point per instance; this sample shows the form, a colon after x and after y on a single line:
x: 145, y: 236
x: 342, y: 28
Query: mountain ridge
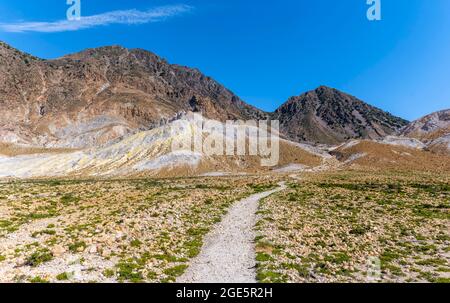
x: 104, y: 93
x: 428, y: 127
x: 100, y: 94
x: 327, y: 115
x: 433, y: 130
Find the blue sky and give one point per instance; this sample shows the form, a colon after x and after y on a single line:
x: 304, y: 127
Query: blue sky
x: 266, y: 51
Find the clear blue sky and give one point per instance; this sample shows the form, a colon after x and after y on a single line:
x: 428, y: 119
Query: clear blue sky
x: 266, y: 51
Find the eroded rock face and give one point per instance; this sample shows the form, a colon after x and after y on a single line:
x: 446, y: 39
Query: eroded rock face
x: 92, y: 97
x: 329, y: 116
x: 149, y: 153
x: 433, y: 130
x: 430, y: 127
x: 440, y: 145
x: 404, y: 141
x: 100, y: 95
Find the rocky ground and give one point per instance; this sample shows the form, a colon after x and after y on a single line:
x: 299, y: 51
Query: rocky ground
x: 228, y: 255
x: 356, y: 227
x: 108, y: 231
x: 344, y: 226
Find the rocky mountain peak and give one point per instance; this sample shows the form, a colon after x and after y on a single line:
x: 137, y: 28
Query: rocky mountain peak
x: 88, y: 98
x: 329, y: 116
x: 99, y: 94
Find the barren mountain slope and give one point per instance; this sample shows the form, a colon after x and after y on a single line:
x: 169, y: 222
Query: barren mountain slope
x: 329, y: 116
x: 440, y: 145
x: 433, y: 130
x: 98, y: 95
x: 371, y: 155
x: 429, y: 127
x: 149, y: 153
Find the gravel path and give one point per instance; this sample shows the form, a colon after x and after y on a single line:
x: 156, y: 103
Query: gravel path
x: 228, y: 253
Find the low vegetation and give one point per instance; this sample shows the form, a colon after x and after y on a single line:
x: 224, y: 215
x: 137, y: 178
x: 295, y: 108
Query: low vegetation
x: 141, y: 230
x: 325, y: 227
x: 350, y: 227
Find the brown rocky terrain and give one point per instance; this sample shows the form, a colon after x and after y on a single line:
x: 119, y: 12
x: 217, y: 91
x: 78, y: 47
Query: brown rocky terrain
x: 12, y: 150
x: 356, y: 226
x: 328, y: 116
x: 433, y: 130
x: 98, y: 95
x: 430, y: 127
x: 379, y: 156
x: 109, y: 111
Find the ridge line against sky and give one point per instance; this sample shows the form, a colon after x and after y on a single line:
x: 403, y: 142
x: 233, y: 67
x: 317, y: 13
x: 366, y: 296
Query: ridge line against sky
x: 265, y: 52
x: 132, y: 16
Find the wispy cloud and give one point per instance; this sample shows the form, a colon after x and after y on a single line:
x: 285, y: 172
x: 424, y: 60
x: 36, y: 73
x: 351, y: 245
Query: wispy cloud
x: 115, y: 17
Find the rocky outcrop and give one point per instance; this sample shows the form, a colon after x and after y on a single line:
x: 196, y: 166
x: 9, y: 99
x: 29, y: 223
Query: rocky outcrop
x: 433, y: 130
x: 151, y: 153
x: 430, y: 127
x: 95, y: 96
x: 328, y: 116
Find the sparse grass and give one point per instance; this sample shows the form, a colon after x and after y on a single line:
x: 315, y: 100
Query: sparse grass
x: 38, y: 280
x: 109, y: 227
x: 329, y: 224
x: 109, y: 273
x: 175, y: 271
x: 270, y: 277
x: 258, y: 188
x: 68, y: 199
x: 39, y: 257
x: 129, y: 271
x: 322, y: 228
x: 135, y: 243
x: 262, y: 257
x: 442, y: 280
x: 77, y: 246
x: 62, y: 276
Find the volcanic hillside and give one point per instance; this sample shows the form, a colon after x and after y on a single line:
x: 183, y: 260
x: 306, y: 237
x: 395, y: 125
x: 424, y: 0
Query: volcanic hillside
x: 329, y: 116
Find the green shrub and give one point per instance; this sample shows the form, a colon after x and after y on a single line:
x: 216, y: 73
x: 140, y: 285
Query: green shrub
x: 62, y: 277
x: 38, y: 257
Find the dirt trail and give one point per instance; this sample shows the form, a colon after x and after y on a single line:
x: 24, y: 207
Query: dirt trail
x: 228, y: 255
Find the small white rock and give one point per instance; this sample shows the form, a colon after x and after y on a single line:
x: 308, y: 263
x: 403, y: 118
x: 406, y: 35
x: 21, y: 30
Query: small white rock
x: 93, y: 249
x: 58, y: 250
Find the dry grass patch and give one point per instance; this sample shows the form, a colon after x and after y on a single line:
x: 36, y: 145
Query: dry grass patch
x: 111, y: 230
x: 326, y: 227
